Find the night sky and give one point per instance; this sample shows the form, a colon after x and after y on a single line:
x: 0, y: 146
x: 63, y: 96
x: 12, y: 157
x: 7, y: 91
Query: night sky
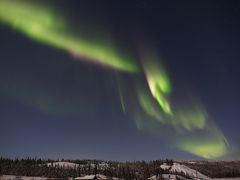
x: 61, y: 101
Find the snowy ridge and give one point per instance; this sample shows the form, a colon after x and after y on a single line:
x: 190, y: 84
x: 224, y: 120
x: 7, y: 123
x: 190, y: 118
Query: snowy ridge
x: 68, y: 165
x: 103, y: 165
x: 63, y: 164
x: 167, y: 177
x: 98, y: 176
x: 164, y: 166
x: 188, y: 171
x: 179, y: 168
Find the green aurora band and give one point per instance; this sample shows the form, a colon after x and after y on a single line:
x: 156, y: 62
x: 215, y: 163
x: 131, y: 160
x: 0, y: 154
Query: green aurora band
x: 186, y: 120
x: 190, y: 119
x: 194, y: 132
x: 182, y: 119
x: 209, y: 149
x: 149, y: 106
x: 159, y: 85
x: 43, y: 25
x: 157, y: 78
x: 212, y: 145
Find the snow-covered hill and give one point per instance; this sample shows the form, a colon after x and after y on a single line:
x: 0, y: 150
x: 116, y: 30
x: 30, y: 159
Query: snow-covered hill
x: 180, y: 168
x: 63, y: 164
x: 164, y: 166
x: 69, y: 165
x: 168, y: 177
x: 97, y: 176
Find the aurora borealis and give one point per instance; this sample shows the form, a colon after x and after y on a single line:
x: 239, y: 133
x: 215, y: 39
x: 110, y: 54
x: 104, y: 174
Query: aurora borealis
x: 43, y: 25
x: 153, y: 87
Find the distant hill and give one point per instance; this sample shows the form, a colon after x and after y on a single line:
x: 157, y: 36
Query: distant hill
x: 139, y: 170
x: 215, y: 169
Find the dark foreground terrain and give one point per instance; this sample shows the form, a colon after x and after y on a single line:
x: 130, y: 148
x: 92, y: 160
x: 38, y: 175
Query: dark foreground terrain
x: 157, y: 169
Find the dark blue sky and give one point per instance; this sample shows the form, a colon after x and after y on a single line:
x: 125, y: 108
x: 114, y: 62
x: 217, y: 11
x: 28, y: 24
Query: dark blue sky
x: 54, y: 107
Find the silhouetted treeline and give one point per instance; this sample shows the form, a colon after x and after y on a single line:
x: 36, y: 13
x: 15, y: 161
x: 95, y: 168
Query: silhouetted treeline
x: 33, y: 167
x: 46, y: 168
x: 127, y: 170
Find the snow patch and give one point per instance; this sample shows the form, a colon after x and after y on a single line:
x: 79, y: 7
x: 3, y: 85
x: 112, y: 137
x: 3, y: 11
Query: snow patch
x: 63, y: 164
x: 188, y: 171
x: 164, y: 166
x: 12, y: 177
x: 98, y: 176
x: 167, y: 177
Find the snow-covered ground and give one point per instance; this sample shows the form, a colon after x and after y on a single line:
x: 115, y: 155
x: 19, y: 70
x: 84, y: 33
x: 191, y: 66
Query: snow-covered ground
x: 12, y: 177
x: 186, y: 170
x: 164, y: 166
x: 99, y: 176
x: 237, y: 178
x: 173, y: 169
x: 102, y: 165
x: 180, y: 168
x: 168, y: 177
